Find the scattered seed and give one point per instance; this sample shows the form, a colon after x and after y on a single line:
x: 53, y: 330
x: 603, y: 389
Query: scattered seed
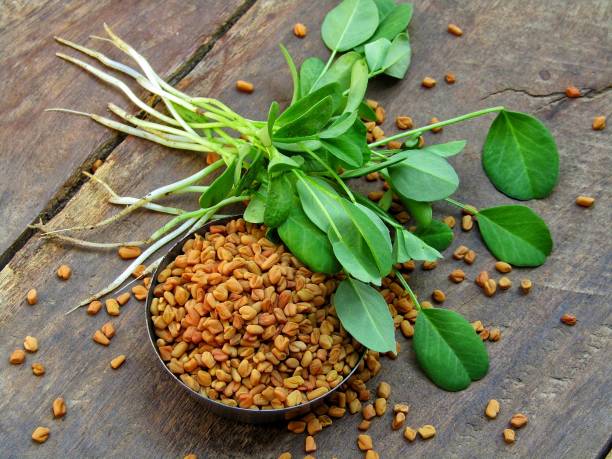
x: 212, y: 157
x: 585, y: 201
x: 296, y: 426
x: 58, y: 407
x: 108, y: 329
x: 354, y: 406
x: 285, y: 455
x: 244, y: 86
x: 467, y: 222
x: 375, y: 195
x: 64, y: 272
x: 457, y: 276
x: 401, y: 408
x: 484, y: 334
x: 435, y: 120
x: 112, y: 307
x: 460, y: 252
x: 492, y: 409
x: 380, y: 406
x: 336, y: 411
x: 450, y: 78
x: 378, y: 133
x: 394, y: 145
x: 99, y: 338
x: 38, y: 369
x: 300, y: 30
x: 518, y: 420
x: 368, y: 412
x: 495, y: 334
x: 40, y: 434
x: 455, y: 30
x: 364, y: 425
x: 309, y: 445
x: 427, y: 431
x: 428, y: 82
x: 421, y: 141
x: 438, y: 296
x: 404, y: 122
x: 407, y: 328
x: 469, y: 257
x: 572, y: 92
x: 504, y: 283
x: 410, y: 434
x: 124, y: 298
x: 477, y: 326
x: 364, y: 442
x: 117, y: 361
x: 509, y: 436
x: 371, y: 454
x: 380, y: 115
x: 526, y: 285
x: 96, y: 165
x: 568, y: 319
x: 140, y: 292
x: 372, y: 176
x: 30, y: 344
x: 313, y: 426
x: 373, y: 104
x: 94, y: 307
x: 17, y: 357
x: 398, y: 420
x: 503, y: 267
x: 482, y: 279
x: 195, y: 456
x: 429, y: 265
x: 129, y: 252
x: 490, y: 287
x: 32, y: 297
x: 599, y: 123
x: 450, y: 221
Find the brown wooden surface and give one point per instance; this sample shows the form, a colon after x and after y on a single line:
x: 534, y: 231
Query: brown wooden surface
x: 515, y: 53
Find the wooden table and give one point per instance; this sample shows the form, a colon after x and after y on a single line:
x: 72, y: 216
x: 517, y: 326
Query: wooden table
x: 521, y: 54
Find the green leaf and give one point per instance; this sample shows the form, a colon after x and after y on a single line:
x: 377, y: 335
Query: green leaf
x: 309, y: 72
x: 437, y: 234
x: 309, y: 122
x: 448, y: 349
x: 320, y: 202
x: 308, y: 243
x: 366, y: 113
x: 254, y: 212
x: 350, y: 146
x: 386, y: 200
x: 340, y: 125
x: 407, y: 246
x: 280, y: 162
x: 220, y: 188
x: 272, y: 115
x: 384, y: 8
x: 376, y: 52
x: 520, y: 156
x: 281, y: 198
x: 515, y: 234
x: 424, y: 177
x: 365, y: 315
x: 396, y: 158
x: 349, y: 24
x: 294, y: 73
x: 296, y: 111
x: 398, y: 57
x: 395, y: 22
x: 421, y: 212
x: 339, y: 72
x: 359, y: 84
x: 446, y: 149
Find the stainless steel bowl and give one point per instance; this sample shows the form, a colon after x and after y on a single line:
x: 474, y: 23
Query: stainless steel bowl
x: 235, y: 413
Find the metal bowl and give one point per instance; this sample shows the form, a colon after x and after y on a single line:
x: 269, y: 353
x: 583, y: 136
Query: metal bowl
x: 236, y: 413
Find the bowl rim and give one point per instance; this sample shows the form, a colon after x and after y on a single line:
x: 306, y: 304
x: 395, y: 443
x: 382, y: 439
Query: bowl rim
x: 287, y: 411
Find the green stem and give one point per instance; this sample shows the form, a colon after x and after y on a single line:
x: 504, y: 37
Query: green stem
x: 429, y: 127
x: 329, y: 62
x: 335, y: 176
x: 409, y: 290
x: 469, y: 209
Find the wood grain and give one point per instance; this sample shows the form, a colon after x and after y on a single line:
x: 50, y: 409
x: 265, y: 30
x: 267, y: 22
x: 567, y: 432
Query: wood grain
x: 559, y: 376
x: 42, y: 153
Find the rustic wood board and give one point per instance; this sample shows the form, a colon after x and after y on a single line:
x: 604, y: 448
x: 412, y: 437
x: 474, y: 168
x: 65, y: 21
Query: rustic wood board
x: 44, y: 151
x: 558, y: 376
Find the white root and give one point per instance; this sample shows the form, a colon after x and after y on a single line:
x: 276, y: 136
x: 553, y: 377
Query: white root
x: 81, y: 242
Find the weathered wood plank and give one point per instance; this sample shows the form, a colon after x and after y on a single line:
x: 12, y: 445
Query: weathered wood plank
x: 558, y: 376
x: 41, y: 151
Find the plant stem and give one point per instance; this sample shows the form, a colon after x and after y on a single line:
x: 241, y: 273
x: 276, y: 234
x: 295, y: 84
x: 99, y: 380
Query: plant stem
x: 409, y: 290
x: 469, y: 209
x: 329, y: 62
x: 429, y: 127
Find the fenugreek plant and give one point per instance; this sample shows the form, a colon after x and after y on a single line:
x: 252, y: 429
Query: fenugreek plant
x: 294, y: 169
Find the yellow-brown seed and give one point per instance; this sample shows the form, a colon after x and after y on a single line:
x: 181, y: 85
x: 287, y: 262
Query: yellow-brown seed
x: 585, y: 201
x: 336, y: 411
x: 313, y: 426
x: 504, y: 283
x: 492, y: 409
x: 30, y: 344
x: 456, y: 276
x: 438, y: 296
x: 285, y: 455
x: 364, y: 425
x: 372, y: 176
x: 195, y: 456
x: 568, y: 319
x: 380, y: 115
x: 450, y: 221
x: 112, y: 307
x: 96, y: 165
x: 404, y: 122
x: 17, y: 357
x: 460, y: 252
x: 368, y: 412
x: 64, y: 272
x: 410, y: 434
x: 108, y: 329
x: 467, y: 222
x: 509, y: 436
x: 450, y: 78
x: 244, y: 86
x: 296, y: 426
x: 300, y: 30
x: 526, y: 285
x: 129, y: 252
x: 599, y: 123
x: 394, y: 145
x: 309, y: 445
x: 503, y: 267
x: 428, y: 82
x: 407, y: 328
x: 380, y: 406
x: 572, y: 92
x: 364, y: 442
x: 40, y: 434
x: 484, y: 334
x: 125, y: 297
x: 401, y: 408
x: 482, y: 278
x: 378, y: 133
x: 495, y: 334
x: 426, y: 305
x: 371, y: 454
x: 518, y: 420
x: 58, y: 407
x: 435, y: 120
x: 32, y: 297
x: 455, y: 30
x: 490, y: 287
x: 94, y: 307
x: 477, y: 326
x: 429, y: 265
x: 469, y: 257
x: 383, y: 390
x: 99, y: 338
x: 398, y: 420
x: 375, y: 195
x: 38, y: 369
x: 117, y: 361
x: 427, y: 431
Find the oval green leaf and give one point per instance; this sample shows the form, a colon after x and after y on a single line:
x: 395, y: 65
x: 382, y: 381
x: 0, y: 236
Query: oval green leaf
x: 349, y: 24
x: 407, y: 246
x: 375, y: 53
x: 446, y: 149
x: 280, y: 200
x: 421, y: 212
x: 359, y: 84
x: 520, y: 156
x: 515, y: 234
x: 394, y: 22
x: 310, y: 70
x: 398, y: 57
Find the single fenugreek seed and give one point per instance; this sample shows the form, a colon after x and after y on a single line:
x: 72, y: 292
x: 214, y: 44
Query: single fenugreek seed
x: 503, y: 267
x: 504, y: 283
x: 426, y: 305
x: 427, y: 431
x: 38, y: 369
x: 383, y: 390
x: 30, y: 344
x: 518, y: 420
x: 64, y: 272
x: 195, y: 456
x: 108, y: 329
x: 58, y: 407
x: 300, y: 30
x: 457, y: 276
x: 17, y: 357
x: 455, y: 30
x: 125, y: 297
x: 378, y: 133
x: 599, y: 123
x: 285, y: 455
x: 401, y: 408
x: 244, y: 86
x: 380, y: 115
x: 94, y: 307
x: 309, y: 445
x: 410, y: 434
x: 526, y: 286
x: 364, y: 425
x: 129, y: 252
x: 40, y: 434
x: 32, y: 297
x: 469, y: 257
x: 482, y: 278
x: 428, y: 82
x: 296, y: 426
x: 477, y: 325
x: 375, y: 195
x: 380, y: 406
x: 96, y: 165
x: 373, y: 104
x: 460, y: 252
x: 484, y: 334
x: 429, y: 265
x: 568, y: 319
x: 336, y: 411
x: 435, y: 120
x: 364, y: 442
x: 449, y: 220
x: 314, y: 426
x: 112, y: 307
x: 572, y: 92
x: 404, y: 122
x: 585, y: 201
x: 490, y: 287
x: 394, y: 145
x: 495, y: 334
x: 450, y: 78
x: 371, y: 454
x: 509, y: 436
x: 438, y: 296
x: 492, y: 409
x: 372, y: 176
x: 368, y: 412
x: 99, y: 338
x: 467, y: 222
x: 398, y: 420
x: 117, y: 361
x: 407, y: 328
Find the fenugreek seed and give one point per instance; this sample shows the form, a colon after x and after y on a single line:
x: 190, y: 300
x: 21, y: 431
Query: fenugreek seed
x: 383, y: 390
x: 108, y: 329
x: 401, y: 408
x: 38, y: 369
x: 495, y: 334
x: 492, y: 409
x: 375, y: 195
x: 509, y: 436
x: 599, y: 123
x: 40, y: 434
x: 504, y: 283
x: 285, y: 455
x: 129, y: 252
x: 364, y: 425
x: 585, y: 201
x: 449, y: 220
x: 450, y: 78
x: 94, y: 307
x: 426, y: 305
x: 30, y: 344
x: 457, y: 276
x: 58, y: 407
x: 435, y: 120
x: 368, y: 412
x: 17, y: 357
x: 140, y: 292
x: 378, y: 133
x: 568, y: 319
x: 64, y: 272
x: 380, y: 406
x: 484, y: 334
x: 404, y: 122
x: 244, y: 86
x: 526, y: 286
x: 32, y: 297
x: 394, y: 145
x: 380, y: 115
x: 319, y: 391
x: 460, y: 252
x: 314, y: 426
x: 195, y: 456
x: 125, y: 297
x: 117, y: 361
x: 354, y: 406
x: 428, y: 82
x: 398, y: 420
x: 455, y: 30
x: 469, y: 257
x: 482, y: 278
x: 427, y: 431
x: 296, y: 426
x: 477, y: 326
x: 490, y: 287
x: 410, y: 434
x: 99, y: 338
x: 112, y: 307
x: 467, y: 222
x: 572, y: 92
x: 371, y: 454
x: 518, y: 420
x: 309, y: 445
x: 372, y: 176
x: 300, y: 30
x: 336, y: 411
x: 96, y: 165
x: 438, y: 296
x: 364, y: 442
x: 429, y: 265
